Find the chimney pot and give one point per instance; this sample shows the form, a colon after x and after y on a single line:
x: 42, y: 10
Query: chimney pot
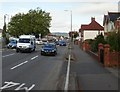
x: 92, y: 19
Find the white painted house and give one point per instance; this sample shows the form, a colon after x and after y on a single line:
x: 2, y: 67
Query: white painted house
x: 91, y: 30
x: 111, y: 21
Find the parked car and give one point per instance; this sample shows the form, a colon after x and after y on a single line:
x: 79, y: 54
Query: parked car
x: 39, y: 42
x: 62, y: 43
x: 57, y: 42
x: 12, y: 44
x: 44, y: 40
x: 49, y: 49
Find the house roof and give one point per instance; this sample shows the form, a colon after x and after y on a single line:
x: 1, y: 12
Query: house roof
x: 113, y: 16
x: 92, y: 26
x: 105, y: 20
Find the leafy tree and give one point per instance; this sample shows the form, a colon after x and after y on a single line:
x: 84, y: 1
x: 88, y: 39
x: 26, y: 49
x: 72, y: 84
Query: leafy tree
x: 34, y: 22
x: 76, y: 34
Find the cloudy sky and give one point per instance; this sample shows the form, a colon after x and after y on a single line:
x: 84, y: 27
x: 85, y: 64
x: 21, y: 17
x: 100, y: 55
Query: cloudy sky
x: 61, y: 19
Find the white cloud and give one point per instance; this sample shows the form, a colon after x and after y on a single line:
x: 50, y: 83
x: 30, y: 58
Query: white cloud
x: 81, y: 14
x: 96, y: 8
x: 59, y: 1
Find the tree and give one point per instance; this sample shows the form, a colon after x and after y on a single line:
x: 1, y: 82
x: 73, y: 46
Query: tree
x: 34, y: 22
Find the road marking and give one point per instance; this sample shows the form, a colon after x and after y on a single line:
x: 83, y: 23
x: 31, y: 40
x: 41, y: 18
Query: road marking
x: 19, y: 86
x: 67, y: 76
x: 34, y: 57
x: 8, y: 55
x: 18, y: 65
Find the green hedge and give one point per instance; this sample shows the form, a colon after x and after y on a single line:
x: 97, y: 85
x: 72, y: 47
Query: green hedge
x: 113, y: 39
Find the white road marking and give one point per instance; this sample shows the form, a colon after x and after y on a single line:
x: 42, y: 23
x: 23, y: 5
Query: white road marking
x: 8, y: 55
x: 67, y: 75
x: 9, y: 84
x: 18, y: 65
x: 34, y: 57
x: 19, y: 86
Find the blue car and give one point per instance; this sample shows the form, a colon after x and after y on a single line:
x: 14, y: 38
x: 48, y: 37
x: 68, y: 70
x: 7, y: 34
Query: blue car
x: 49, y: 49
x: 12, y: 44
x: 62, y: 43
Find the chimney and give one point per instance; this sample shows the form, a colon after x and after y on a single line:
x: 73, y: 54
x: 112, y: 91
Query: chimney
x: 92, y: 19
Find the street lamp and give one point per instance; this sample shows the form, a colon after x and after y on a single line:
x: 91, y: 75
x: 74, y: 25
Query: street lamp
x: 71, y: 23
x: 4, y: 28
x: 70, y: 18
x: 5, y: 20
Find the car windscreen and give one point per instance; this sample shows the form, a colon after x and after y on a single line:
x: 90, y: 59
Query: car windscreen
x: 14, y: 42
x: 62, y: 42
x: 24, y: 40
x: 48, y: 46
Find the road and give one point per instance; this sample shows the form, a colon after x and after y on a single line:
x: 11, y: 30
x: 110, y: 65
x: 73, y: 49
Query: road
x: 31, y: 71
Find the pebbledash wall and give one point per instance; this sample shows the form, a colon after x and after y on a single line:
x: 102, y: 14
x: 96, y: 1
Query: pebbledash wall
x: 111, y: 59
x: 91, y: 34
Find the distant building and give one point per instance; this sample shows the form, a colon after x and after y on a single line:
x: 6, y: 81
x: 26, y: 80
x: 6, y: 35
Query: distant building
x: 91, y: 30
x: 0, y: 33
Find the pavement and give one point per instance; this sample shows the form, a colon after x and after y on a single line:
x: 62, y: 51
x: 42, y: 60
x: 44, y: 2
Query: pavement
x: 90, y: 74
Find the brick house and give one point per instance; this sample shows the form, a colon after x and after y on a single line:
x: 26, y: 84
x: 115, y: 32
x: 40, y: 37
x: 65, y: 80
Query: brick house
x: 91, y: 30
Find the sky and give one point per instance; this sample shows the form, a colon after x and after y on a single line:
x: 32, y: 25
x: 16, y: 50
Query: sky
x: 61, y: 19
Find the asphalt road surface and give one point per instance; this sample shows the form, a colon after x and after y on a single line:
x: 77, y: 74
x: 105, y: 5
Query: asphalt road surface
x: 31, y: 71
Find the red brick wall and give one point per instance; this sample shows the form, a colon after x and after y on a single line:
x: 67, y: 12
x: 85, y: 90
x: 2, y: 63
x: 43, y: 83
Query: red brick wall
x: 115, y: 59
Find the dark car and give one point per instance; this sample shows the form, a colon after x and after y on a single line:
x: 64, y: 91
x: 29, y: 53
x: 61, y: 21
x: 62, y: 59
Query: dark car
x: 62, y: 43
x: 12, y: 44
x: 49, y: 49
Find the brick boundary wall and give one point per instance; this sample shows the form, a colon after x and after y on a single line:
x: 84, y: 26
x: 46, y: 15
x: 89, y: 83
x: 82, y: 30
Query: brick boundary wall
x: 111, y: 59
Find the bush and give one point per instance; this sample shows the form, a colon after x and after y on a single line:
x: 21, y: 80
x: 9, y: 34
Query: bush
x: 114, y: 40
x: 98, y: 39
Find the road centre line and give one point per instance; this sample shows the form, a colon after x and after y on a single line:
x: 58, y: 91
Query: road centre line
x: 8, y: 55
x: 23, y: 63
x: 34, y: 57
x: 18, y: 65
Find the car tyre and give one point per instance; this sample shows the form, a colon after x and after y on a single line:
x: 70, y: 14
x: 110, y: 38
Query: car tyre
x: 17, y: 50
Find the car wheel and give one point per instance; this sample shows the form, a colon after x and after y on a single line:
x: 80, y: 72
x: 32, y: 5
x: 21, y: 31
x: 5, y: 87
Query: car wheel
x: 17, y: 50
x: 41, y: 53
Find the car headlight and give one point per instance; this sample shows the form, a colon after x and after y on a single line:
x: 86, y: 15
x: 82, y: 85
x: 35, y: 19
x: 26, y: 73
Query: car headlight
x: 42, y: 49
x: 28, y: 46
x: 13, y: 45
x: 53, y: 50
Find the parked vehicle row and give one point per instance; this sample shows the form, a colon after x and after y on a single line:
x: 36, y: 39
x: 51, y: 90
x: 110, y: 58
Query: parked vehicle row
x: 27, y: 43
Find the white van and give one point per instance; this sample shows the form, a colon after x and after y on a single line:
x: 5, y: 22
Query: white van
x: 26, y: 43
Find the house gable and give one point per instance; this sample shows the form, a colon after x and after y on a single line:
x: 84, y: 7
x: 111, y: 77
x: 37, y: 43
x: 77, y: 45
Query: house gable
x: 92, y: 26
x: 91, y: 30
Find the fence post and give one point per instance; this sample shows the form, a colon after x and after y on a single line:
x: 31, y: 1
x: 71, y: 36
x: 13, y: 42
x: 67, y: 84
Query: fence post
x: 106, y: 55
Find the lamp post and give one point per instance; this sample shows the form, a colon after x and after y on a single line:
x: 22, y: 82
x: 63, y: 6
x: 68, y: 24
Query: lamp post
x: 70, y: 18
x: 4, y: 28
x: 68, y: 68
x: 71, y: 21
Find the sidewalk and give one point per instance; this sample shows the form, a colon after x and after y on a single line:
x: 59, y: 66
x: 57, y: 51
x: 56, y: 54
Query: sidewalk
x: 92, y: 75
